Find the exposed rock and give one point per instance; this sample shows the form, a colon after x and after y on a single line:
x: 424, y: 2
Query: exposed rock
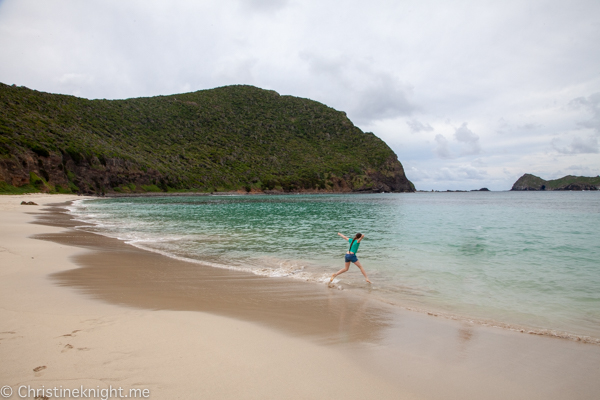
x: 578, y: 186
x: 569, y: 182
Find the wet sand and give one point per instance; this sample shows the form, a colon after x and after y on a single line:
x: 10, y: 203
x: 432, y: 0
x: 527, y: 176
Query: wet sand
x: 352, y: 345
x: 125, y: 275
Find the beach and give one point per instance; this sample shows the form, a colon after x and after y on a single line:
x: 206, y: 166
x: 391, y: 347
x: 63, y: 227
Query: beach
x: 83, y: 310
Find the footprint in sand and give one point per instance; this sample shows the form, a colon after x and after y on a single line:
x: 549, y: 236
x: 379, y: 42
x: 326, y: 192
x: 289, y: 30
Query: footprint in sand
x: 66, y: 348
x: 8, y: 333
x: 38, y: 371
x: 72, y: 333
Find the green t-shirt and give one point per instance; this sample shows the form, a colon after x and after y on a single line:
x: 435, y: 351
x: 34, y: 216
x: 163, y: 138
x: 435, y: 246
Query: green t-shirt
x: 355, y: 245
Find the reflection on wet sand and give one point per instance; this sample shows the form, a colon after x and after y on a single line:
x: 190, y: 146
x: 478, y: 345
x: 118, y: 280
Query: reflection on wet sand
x: 465, y: 335
x: 125, y: 275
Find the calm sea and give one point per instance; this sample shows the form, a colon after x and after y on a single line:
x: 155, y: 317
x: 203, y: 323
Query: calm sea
x: 518, y: 259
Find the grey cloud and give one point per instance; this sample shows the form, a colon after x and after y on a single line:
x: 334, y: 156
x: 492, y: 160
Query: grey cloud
x: 530, y: 126
x: 442, y: 150
x: 369, y: 94
x: 237, y: 71
x: 503, y: 125
x: 592, y: 104
x: 325, y: 65
x: 582, y: 170
x: 418, y: 126
x: 264, y: 5
x: 470, y: 172
x: 579, y: 145
x: 471, y: 141
x: 416, y: 174
x: 584, y: 145
x: 385, y: 97
x: 461, y: 172
x: 445, y: 174
x: 74, y: 83
x: 479, y: 162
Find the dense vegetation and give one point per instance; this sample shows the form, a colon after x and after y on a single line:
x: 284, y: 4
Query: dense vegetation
x: 228, y: 138
x: 569, y: 182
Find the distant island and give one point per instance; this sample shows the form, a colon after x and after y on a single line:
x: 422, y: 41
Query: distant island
x: 233, y: 138
x: 569, y: 182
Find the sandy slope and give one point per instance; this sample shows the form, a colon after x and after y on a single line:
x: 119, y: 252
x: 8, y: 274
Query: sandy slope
x: 176, y: 355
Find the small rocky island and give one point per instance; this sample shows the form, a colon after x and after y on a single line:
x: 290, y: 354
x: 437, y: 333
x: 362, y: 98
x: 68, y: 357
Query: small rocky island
x: 569, y: 182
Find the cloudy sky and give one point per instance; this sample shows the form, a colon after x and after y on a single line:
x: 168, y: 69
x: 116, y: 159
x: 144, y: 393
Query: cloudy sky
x: 467, y: 93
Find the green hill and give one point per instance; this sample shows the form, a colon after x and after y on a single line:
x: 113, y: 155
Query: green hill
x: 569, y: 182
x: 228, y: 138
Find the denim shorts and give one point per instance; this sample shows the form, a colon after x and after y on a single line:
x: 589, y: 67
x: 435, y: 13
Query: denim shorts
x: 351, y: 258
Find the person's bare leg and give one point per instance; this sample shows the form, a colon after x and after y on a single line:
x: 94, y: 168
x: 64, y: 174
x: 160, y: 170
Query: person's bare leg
x: 357, y: 263
x: 341, y: 271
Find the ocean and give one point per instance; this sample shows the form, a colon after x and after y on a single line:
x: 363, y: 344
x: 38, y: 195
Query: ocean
x: 518, y: 260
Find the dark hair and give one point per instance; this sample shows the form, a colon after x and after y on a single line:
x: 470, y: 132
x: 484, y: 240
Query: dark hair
x: 357, y: 236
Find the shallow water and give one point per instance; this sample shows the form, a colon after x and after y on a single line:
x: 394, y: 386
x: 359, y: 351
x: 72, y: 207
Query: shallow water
x: 518, y: 258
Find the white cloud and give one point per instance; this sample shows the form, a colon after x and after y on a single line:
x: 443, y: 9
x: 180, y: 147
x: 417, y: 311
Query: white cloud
x: 237, y: 70
x: 384, y: 97
x: 371, y: 94
x: 579, y: 145
x: 530, y: 125
x: 418, y: 126
x: 470, y: 172
x: 442, y: 148
x: 417, y: 175
x: 263, y: 5
x: 460, y: 173
x: 76, y: 82
x: 470, y: 140
x: 592, y: 105
x: 582, y: 170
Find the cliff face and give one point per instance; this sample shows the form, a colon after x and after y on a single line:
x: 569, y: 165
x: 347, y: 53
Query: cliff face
x: 569, y: 182
x: 61, y: 174
x: 230, y: 138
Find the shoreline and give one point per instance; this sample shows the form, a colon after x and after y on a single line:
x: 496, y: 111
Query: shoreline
x: 356, y: 349
x: 123, y: 274
x: 381, y: 300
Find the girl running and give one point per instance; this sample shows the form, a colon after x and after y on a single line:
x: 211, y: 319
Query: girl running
x: 351, y: 256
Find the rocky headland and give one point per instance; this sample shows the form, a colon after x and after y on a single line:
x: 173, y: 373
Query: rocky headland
x: 569, y: 182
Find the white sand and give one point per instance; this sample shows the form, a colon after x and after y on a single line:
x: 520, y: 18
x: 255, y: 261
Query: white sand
x: 175, y: 355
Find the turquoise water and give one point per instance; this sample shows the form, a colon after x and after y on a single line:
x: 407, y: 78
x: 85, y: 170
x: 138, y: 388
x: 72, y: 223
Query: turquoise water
x: 522, y: 259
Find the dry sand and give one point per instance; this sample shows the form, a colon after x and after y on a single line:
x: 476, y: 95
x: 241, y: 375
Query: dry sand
x: 96, y: 312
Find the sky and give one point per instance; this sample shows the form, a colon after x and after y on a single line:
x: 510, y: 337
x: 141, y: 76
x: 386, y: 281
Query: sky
x: 469, y: 94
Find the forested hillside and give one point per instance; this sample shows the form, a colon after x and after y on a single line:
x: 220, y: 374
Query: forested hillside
x: 228, y: 138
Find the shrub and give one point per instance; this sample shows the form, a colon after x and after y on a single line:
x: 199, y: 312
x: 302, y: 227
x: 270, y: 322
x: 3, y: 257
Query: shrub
x: 151, y: 188
x: 35, y: 180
